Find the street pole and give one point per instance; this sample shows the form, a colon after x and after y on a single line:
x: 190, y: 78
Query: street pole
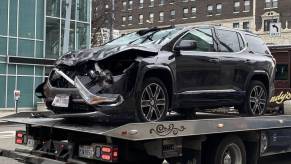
x: 112, y: 20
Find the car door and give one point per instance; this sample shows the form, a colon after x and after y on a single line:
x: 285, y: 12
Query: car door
x: 232, y: 59
x: 197, y: 71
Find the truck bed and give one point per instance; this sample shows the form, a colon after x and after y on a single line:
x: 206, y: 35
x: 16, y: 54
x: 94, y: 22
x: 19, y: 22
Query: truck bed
x: 165, y: 129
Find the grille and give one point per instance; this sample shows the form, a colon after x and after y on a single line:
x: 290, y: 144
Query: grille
x: 58, y: 81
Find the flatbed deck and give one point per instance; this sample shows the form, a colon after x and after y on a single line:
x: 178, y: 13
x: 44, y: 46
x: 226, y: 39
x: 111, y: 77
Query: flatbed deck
x: 165, y: 129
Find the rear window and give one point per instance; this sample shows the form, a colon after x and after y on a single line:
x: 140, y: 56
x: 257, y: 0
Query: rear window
x: 256, y: 44
x: 228, y: 41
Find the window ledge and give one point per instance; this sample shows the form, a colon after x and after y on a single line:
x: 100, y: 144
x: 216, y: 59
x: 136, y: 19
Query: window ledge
x: 209, y: 15
x: 236, y: 12
x: 246, y: 11
x: 184, y: 18
x: 160, y: 21
x: 172, y: 20
x: 194, y: 17
x: 217, y: 14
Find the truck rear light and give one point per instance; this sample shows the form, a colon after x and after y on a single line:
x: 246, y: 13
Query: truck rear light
x: 19, y: 141
x: 106, y: 157
x: 106, y: 149
x: 20, y: 137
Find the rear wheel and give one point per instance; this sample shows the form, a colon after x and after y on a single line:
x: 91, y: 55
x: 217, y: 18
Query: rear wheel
x: 256, y: 100
x: 153, y: 101
x: 230, y: 150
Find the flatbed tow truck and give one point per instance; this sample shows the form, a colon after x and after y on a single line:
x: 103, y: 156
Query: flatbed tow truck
x: 215, y: 140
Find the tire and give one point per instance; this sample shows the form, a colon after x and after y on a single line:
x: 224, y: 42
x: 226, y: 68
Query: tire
x: 255, y: 103
x: 152, y: 107
x: 230, y: 150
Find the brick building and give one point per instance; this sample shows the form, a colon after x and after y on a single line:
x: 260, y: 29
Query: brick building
x: 253, y: 15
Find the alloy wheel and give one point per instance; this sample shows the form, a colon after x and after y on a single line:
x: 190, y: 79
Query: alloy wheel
x: 153, y: 102
x: 257, y: 100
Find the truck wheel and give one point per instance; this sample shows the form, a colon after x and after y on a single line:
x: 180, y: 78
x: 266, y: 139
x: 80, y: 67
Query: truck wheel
x: 153, y: 101
x: 230, y: 150
x: 256, y: 100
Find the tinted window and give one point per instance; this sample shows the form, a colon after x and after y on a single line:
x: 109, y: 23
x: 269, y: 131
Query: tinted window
x: 281, y: 72
x: 228, y: 41
x: 203, y: 38
x: 256, y: 44
x: 241, y: 42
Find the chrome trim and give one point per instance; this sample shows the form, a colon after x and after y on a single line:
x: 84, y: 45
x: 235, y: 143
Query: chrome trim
x: 71, y: 81
x: 89, y: 97
x: 209, y: 91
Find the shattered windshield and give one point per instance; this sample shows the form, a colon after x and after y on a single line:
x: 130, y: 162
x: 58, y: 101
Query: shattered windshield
x: 155, y: 37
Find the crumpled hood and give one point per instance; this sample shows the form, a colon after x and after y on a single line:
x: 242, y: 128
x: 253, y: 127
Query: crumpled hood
x: 103, y: 52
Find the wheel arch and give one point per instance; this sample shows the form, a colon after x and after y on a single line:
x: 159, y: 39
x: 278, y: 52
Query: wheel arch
x: 261, y: 76
x: 163, y: 73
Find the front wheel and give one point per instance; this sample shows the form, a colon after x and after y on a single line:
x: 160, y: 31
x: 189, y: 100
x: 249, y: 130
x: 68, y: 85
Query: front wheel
x: 153, y: 101
x: 256, y: 100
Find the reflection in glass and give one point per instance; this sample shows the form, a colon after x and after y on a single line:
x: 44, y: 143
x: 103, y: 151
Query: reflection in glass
x: 73, y: 9
x: 71, y: 37
x: 82, y: 10
x: 82, y: 36
x: 52, y: 38
x: 53, y: 8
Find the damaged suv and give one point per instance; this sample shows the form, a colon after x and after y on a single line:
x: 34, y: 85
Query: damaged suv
x: 145, y: 74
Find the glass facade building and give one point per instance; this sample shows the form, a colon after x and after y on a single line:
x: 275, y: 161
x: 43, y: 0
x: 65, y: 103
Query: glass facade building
x: 31, y: 38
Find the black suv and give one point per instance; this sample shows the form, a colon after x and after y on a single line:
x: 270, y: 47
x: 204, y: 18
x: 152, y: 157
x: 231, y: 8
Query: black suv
x: 145, y: 74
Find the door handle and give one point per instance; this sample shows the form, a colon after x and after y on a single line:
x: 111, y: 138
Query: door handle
x: 214, y: 60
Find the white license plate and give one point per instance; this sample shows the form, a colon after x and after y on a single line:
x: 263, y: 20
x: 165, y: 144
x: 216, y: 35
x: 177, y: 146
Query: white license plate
x: 86, y: 151
x: 61, y: 101
x: 30, y: 142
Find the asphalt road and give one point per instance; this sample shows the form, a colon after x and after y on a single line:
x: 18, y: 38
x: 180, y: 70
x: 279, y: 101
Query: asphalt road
x: 7, y: 137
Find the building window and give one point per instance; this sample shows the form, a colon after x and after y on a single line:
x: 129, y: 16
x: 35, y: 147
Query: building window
x: 173, y: 14
x: 124, y: 5
x: 171, y: 1
x: 247, y: 5
x: 275, y: 3
x: 162, y: 17
x: 246, y: 25
x: 140, y: 3
x: 130, y: 19
x: 271, y: 3
x: 162, y: 2
x: 123, y: 20
x: 193, y: 11
x: 219, y: 9
x: 268, y: 22
x: 185, y: 12
x: 281, y: 72
x: 236, y: 6
x: 235, y: 25
x: 130, y: 5
x: 151, y: 18
x: 140, y: 19
x: 152, y: 3
x: 209, y: 9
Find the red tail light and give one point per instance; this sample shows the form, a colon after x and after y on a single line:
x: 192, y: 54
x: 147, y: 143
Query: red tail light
x: 20, y: 137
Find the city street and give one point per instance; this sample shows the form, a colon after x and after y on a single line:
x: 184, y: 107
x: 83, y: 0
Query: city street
x: 7, y: 133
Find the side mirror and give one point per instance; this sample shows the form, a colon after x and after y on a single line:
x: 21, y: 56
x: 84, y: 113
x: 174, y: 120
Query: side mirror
x: 186, y: 45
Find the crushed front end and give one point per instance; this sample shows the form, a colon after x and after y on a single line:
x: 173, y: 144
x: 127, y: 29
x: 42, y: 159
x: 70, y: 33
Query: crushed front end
x: 91, y: 88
